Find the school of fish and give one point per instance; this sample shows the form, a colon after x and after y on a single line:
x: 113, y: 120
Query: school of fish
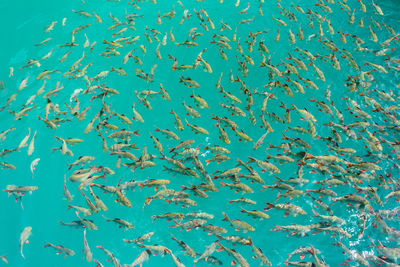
x: 307, y: 134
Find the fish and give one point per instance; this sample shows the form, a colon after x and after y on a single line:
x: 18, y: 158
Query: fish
x: 24, y: 238
x: 197, y: 128
x: 239, y: 187
x: 140, y: 239
x: 176, y: 260
x: 209, y: 250
x: 179, y: 124
x: 114, y: 260
x: 360, y: 259
x: 33, y: 165
x: 31, y: 146
x: 223, y: 133
x: 25, y: 140
x: 259, y: 254
x: 143, y: 257
x: 243, y: 200
x: 122, y: 223
x: 256, y: 214
x: 238, y: 258
x: 239, y: 224
x: 61, y: 249
x: 157, y: 249
x: 288, y: 208
x: 188, y: 81
x: 86, y: 249
x: 265, y: 165
x: 168, y: 216
x: 168, y: 133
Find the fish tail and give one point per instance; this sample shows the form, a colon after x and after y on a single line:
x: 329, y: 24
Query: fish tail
x: 315, y: 213
x: 148, y: 200
x: 220, y: 247
x: 134, y: 147
x: 225, y: 217
x: 269, y: 206
x: 251, y: 159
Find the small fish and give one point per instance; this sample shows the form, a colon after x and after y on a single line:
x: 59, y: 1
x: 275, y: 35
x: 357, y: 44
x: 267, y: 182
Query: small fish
x: 61, y: 249
x: 26, y: 233
x: 188, y: 81
x: 288, y: 208
x: 239, y: 224
x: 259, y: 254
x: 256, y: 214
x: 140, y: 239
x: 209, y: 250
x: 3, y: 257
x: 33, y: 165
x: 178, y: 121
x: 31, y: 146
x: 114, y: 260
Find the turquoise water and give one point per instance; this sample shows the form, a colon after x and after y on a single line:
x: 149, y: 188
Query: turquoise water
x: 24, y: 25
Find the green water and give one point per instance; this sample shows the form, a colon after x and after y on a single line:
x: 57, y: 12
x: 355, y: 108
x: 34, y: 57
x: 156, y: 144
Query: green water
x: 23, y: 24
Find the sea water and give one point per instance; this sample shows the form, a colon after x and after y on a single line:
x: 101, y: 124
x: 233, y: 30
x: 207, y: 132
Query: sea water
x: 22, y: 25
